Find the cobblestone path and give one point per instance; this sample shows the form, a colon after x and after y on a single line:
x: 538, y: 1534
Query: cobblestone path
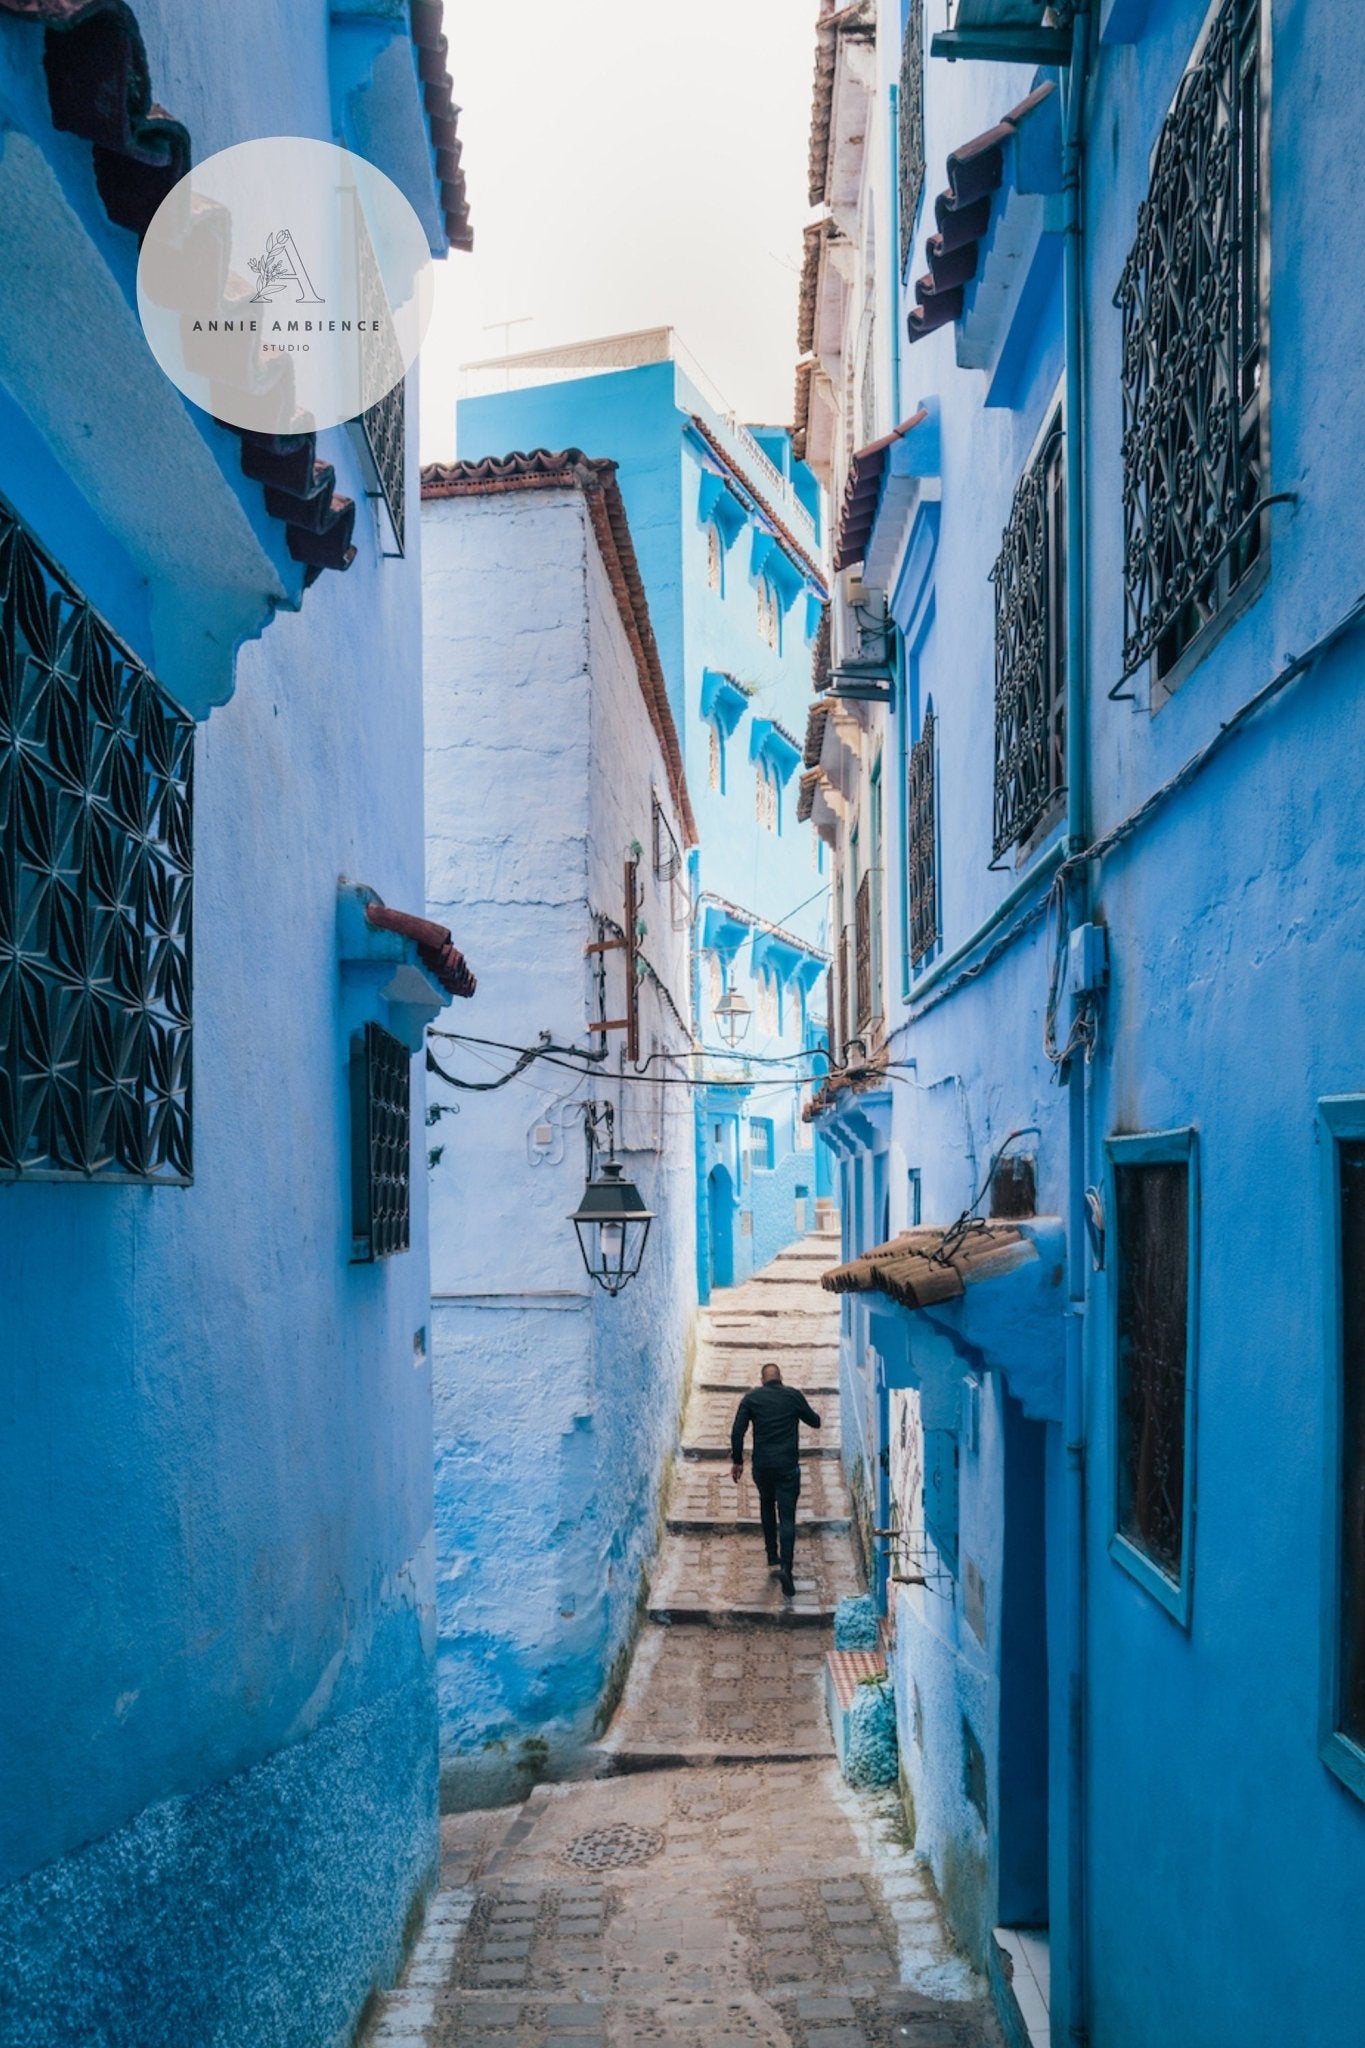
x: 719, y: 1886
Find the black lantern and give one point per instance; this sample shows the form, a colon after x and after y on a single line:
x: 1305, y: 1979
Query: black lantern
x: 733, y: 1015
x: 612, y: 1224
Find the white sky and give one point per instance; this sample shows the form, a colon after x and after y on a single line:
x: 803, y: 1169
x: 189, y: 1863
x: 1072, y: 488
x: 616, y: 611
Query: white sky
x: 631, y: 163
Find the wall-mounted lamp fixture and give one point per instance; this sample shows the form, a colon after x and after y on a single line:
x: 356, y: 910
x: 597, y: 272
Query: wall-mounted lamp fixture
x: 732, y: 1014
x: 612, y: 1221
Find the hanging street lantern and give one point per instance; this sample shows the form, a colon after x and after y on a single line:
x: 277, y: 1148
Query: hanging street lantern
x: 733, y: 1015
x: 612, y: 1224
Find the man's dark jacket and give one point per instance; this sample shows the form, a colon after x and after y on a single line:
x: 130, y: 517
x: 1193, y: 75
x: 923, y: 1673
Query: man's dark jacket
x: 775, y: 1412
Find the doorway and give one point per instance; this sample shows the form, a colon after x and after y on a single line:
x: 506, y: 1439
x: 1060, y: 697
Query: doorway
x: 720, y: 1202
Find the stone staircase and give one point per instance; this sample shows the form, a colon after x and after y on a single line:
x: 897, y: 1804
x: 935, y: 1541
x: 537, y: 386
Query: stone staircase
x: 727, y: 1669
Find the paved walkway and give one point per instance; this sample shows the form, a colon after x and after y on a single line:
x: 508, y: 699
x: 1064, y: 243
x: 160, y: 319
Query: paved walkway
x: 719, y: 1886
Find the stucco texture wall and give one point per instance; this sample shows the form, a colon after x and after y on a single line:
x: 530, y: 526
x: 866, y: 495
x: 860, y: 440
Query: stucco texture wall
x: 217, y: 1443
x: 556, y: 1406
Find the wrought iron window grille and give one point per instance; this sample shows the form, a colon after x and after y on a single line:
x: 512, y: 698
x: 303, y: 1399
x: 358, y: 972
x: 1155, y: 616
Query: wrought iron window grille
x: 381, y: 1144
x: 96, y: 888
x: 383, y: 425
x: 1193, y: 344
x: 862, y: 928
x: 667, y: 852
x: 1152, y: 1203
x: 923, y: 838
x: 1030, y: 649
x: 910, y: 120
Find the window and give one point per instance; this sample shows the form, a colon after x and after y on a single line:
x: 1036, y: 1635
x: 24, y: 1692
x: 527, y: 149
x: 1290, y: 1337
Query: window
x: 915, y: 1199
x: 1190, y: 296
x: 769, y: 614
x: 862, y: 926
x: 1343, y: 1718
x: 768, y: 1006
x: 384, y: 425
x: 715, y: 559
x: 767, y: 796
x: 715, y: 760
x: 922, y: 841
x: 1030, y: 649
x: 761, y: 1142
x: 95, y: 890
x: 910, y: 115
x: 1154, y: 1211
x: 381, y: 1144
x: 667, y: 852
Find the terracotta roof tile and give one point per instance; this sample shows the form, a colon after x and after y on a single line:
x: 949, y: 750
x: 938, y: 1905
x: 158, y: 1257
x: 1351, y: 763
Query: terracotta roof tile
x: 805, y: 802
x: 963, y: 214
x: 545, y: 469
x: 442, y: 116
x: 922, y: 1267
x: 862, y: 493
x: 99, y: 88
x: 435, y: 949
x: 834, y: 21
x: 816, y: 721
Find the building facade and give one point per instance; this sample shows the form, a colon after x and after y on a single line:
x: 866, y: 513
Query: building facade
x: 1105, y: 754
x: 217, y: 1730
x: 726, y: 525
x: 557, y: 1402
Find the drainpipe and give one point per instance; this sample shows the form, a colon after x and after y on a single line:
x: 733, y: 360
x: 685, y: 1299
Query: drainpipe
x: 893, y: 187
x: 1079, y: 893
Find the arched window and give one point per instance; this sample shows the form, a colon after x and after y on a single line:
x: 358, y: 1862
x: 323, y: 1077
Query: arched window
x: 765, y: 796
x: 715, y: 559
x: 769, y: 615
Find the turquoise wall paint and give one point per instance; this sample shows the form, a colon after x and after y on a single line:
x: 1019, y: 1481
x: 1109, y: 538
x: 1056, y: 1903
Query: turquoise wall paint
x: 217, y: 1753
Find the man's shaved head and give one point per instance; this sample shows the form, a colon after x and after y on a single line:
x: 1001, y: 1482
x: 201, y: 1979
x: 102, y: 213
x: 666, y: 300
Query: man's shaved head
x: 771, y: 1373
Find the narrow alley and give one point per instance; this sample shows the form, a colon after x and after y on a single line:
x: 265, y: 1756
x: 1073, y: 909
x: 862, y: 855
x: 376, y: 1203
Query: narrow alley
x: 718, y: 1883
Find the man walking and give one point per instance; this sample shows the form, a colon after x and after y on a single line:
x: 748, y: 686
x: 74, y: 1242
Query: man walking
x: 776, y: 1413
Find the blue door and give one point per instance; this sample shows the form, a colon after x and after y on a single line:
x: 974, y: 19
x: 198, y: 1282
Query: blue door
x: 720, y: 1192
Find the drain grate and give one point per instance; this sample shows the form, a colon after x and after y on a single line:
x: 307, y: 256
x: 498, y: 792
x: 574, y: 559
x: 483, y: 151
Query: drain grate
x: 614, y: 1848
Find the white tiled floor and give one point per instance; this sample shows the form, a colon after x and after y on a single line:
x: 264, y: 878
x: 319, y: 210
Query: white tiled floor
x: 1029, y: 1969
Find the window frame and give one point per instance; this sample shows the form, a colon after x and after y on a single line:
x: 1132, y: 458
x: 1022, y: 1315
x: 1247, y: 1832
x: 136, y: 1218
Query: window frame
x: 1156, y: 1148
x: 1235, y: 597
x: 1338, y: 1117
x: 1047, y: 458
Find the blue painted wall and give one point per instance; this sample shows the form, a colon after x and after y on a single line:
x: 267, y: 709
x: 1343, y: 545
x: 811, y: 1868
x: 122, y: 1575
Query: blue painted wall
x: 1221, y: 1858
x: 217, y: 1729
x: 671, y: 479
x: 556, y: 1406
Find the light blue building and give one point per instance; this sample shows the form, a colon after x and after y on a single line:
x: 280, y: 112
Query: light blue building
x: 556, y: 1402
x: 726, y: 528
x: 217, y: 1721
x: 1104, y: 1140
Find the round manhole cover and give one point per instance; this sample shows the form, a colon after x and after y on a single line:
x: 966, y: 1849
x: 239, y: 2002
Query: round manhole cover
x: 614, y: 1848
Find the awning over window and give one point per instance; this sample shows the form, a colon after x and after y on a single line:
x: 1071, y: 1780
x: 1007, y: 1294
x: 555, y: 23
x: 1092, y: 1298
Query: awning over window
x: 722, y: 699
x: 990, y: 1295
x: 963, y: 215
x: 862, y: 490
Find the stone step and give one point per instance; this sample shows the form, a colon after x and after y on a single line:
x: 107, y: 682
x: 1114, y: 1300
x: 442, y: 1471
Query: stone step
x: 724, y: 1582
x: 690, y: 1700
x: 627, y: 1758
x: 704, y: 1498
x: 710, y: 1415
x: 712, y: 1380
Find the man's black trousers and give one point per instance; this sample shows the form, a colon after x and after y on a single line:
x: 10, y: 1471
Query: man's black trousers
x: 778, y: 1492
